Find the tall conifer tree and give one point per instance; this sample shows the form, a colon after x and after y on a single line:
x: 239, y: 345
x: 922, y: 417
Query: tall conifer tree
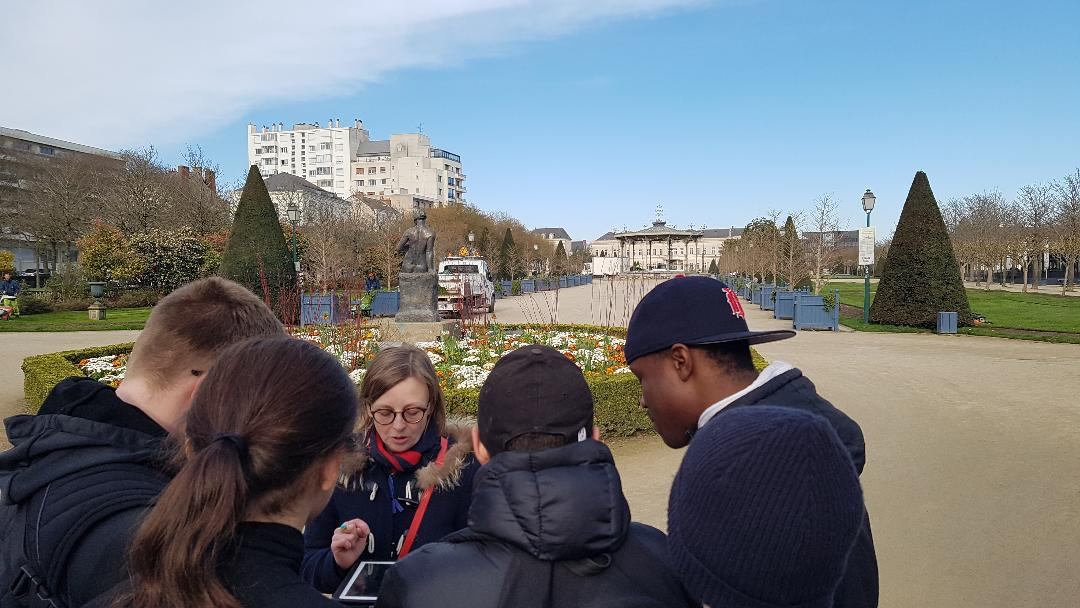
x: 921, y: 275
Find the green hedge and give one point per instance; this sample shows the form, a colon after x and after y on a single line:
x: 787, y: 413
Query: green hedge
x: 42, y: 372
x: 617, y: 397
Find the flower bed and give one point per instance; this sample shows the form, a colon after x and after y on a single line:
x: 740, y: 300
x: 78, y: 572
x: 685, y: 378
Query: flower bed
x: 461, y: 364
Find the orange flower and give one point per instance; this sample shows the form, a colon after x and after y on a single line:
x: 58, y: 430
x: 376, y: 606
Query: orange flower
x: 570, y: 356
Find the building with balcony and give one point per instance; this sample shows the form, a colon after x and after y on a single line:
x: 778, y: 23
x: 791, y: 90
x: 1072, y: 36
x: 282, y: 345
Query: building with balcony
x: 403, y: 171
x: 664, y: 247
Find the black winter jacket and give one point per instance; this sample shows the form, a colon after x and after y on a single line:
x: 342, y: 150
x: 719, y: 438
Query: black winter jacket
x: 859, y: 587
x: 87, y: 467
x: 447, y: 512
x: 265, y: 570
x: 550, y: 528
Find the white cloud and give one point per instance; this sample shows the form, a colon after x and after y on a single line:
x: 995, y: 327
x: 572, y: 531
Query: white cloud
x: 118, y: 73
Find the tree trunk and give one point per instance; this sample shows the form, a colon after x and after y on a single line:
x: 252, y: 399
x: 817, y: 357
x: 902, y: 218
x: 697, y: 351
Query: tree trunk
x: 1027, y: 263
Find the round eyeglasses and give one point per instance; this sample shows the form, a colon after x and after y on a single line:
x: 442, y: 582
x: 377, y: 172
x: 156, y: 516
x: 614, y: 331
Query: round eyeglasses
x: 410, y: 415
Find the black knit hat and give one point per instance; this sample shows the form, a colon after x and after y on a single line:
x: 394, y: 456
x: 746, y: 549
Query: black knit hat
x: 691, y: 311
x: 764, y: 510
x: 534, y: 389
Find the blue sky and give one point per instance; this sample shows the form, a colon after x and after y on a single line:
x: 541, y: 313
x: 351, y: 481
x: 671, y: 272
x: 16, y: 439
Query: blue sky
x: 720, y: 111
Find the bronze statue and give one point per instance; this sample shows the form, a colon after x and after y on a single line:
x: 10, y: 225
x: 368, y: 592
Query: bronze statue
x: 418, y: 245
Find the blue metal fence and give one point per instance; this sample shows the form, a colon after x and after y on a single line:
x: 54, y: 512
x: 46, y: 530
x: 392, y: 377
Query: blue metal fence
x: 385, y: 303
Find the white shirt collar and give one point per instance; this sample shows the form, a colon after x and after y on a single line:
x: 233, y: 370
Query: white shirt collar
x: 773, y: 370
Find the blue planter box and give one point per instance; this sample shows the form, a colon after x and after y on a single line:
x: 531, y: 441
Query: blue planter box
x: 946, y: 322
x: 563, y: 283
x: 785, y: 304
x: 507, y: 287
x: 811, y: 313
x: 528, y: 285
x: 755, y: 295
x: 767, y: 302
x: 385, y: 303
x: 322, y: 309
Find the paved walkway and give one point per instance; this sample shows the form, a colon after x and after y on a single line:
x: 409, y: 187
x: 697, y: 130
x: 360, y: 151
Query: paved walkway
x: 972, y: 478
x: 17, y: 346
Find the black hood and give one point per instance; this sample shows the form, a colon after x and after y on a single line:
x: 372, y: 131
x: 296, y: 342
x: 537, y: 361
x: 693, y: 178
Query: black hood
x: 47, y: 447
x: 560, y: 504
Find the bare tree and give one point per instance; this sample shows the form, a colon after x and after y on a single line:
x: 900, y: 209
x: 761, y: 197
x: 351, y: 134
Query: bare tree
x: 823, y: 242
x: 1067, y: 225
x: 1036, y: 207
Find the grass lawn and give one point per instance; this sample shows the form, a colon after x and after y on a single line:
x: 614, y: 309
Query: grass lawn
x: 76, y: 320
x: 1030, y: 316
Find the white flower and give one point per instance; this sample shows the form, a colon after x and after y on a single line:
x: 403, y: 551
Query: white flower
x: 623, y: 370
x: 357, y: 376
x: 435, y: 359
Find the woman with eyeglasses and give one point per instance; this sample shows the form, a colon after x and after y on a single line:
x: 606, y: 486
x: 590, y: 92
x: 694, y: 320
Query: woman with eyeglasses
x: 414, y: 485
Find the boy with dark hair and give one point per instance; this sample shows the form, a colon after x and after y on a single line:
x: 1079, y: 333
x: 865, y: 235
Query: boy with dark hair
x: 548, y: 525
x: 689, y: 345
x: 82, y: 472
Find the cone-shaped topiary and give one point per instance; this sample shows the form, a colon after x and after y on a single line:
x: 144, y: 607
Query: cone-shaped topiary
x: 256, y: 255
x: 921, y: 276
x: 713, y: 268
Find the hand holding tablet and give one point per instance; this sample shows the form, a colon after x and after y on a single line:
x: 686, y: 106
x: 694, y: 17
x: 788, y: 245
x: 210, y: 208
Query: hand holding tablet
x: 349, y: 542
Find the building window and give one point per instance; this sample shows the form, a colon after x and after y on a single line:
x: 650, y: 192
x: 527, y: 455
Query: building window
x: 359, y: 170
x: 384, y: 182
x: 325, y: 146
x: 340, y: 172
x: 325, y: 183
x: 371, y: 182
x: 323, y: 171
x: 359, y: 183
x: 284, y: 149
x: 450, y: 193
x: 371, y: 170
x: 269, y: 136
x: 382, y: 169
x: 46, y: 150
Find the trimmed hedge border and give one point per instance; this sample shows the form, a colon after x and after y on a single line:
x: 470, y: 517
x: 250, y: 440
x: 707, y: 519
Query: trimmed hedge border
x: 42, y: 372
x: 616, y: 397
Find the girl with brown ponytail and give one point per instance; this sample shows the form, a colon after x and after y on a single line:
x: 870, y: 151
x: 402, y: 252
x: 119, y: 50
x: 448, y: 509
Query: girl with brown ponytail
x: 262, y: 450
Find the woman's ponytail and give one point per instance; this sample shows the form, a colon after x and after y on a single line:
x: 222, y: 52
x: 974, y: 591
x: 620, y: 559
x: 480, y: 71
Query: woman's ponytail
x: 267, y: 411
x: 178, y: 547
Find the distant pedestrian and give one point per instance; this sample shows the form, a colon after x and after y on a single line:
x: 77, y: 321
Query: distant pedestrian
x: 689, y: 345
x: 372, y: 282
x: 764, y: 511
x: 9, y: 286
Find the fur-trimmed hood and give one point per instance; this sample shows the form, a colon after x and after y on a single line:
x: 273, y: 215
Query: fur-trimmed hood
x: 444, y: 477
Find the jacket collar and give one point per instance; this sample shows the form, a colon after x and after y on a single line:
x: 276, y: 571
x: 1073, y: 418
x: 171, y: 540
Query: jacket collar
x: 560, y: 504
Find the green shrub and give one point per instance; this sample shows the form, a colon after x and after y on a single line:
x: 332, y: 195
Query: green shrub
x: 42, y: 372
x: 257, y: 256
x: 72, y: 304
x: 135, y: 298
x: 515, y: 287
x: 921, y: 277
x: 32, y: 304
x: 68, y: 284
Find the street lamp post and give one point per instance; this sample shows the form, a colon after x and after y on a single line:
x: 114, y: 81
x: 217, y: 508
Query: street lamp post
x: 536, y: 254
x: 293, y: 213
x: 868, y: 199
x: 472, y: 239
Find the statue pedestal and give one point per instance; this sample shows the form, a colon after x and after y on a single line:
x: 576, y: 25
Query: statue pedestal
x: 97, y: 311
x: 419, y: 298
x: 395, y: 333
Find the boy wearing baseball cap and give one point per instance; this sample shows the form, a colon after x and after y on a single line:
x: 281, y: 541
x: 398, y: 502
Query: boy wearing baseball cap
x: 548, y: 525
x: 689, y: 345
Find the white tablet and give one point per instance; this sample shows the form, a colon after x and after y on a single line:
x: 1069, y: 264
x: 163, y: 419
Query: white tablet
x: 362, y: 584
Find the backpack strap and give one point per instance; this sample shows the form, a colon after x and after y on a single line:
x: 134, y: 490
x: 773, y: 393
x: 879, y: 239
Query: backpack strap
x: 27, y: 587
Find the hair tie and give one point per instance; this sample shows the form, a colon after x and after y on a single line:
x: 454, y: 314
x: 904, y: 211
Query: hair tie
x: 234, y: 439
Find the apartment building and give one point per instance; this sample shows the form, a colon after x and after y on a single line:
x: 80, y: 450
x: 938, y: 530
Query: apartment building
x: 403, y: 171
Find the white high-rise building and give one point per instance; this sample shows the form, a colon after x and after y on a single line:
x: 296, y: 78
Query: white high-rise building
x: 405, y: 170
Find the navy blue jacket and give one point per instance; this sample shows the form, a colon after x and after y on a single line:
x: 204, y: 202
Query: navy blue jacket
x: 859, y: 587
x: 447, y: 512
x: 9, y: 288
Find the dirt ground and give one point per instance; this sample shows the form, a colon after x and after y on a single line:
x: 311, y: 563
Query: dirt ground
x: 972, y: 478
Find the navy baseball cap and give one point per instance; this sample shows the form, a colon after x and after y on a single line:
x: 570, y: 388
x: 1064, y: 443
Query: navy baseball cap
x: 692, y: 311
